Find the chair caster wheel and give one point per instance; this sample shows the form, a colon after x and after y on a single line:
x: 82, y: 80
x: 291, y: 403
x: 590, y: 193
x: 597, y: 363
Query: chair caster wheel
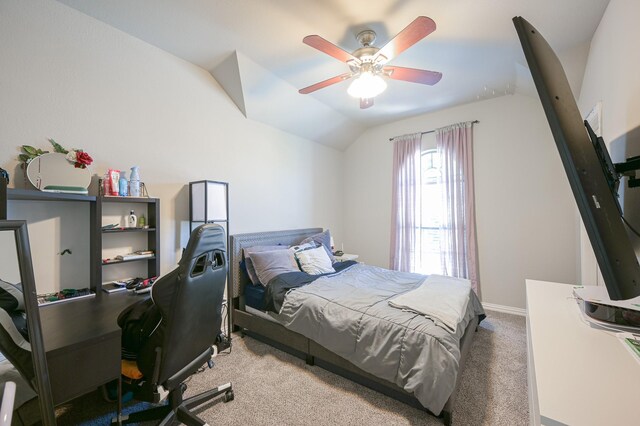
x: 228, y: 396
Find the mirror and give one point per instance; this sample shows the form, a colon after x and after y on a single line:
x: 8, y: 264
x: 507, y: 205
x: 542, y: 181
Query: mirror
x: 28, y: 357
x: 54, y: 173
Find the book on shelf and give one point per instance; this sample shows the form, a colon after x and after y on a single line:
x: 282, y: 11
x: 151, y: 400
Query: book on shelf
x: 141, y: 254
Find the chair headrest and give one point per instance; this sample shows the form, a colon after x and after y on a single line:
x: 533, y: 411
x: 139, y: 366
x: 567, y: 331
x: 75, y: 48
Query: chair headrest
x: 205, y: 238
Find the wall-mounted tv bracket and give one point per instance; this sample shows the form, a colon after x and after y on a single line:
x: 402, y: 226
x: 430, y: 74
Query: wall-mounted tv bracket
x: 628, y: 169
x: 614, y: 172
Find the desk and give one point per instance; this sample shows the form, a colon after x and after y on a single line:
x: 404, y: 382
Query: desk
x: 82, y: 343
x: 577, y: 375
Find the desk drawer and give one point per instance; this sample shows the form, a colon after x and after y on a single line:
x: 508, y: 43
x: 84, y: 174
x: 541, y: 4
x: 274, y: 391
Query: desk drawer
x: 81, y: 369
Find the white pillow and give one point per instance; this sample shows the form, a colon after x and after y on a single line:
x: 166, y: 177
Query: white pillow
x: 314, y: 261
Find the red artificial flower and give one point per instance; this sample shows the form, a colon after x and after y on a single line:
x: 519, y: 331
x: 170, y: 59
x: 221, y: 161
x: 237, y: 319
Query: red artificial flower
x: 83, y: 160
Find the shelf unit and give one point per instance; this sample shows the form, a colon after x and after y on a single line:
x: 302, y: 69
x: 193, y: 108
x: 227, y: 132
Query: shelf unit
x: 115, y: 262
x: 127, y: 230
x: 152, y: 206
x: 40, y: 196
x: 34, y: 195
x: 96, y: 233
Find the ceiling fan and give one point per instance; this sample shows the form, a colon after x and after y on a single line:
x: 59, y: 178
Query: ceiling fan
x: 368, y: 63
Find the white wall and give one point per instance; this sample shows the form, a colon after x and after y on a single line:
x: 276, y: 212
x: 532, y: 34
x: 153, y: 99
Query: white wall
x: 611, y: 76
x: 70, y: 77
x: 526, y: 218
x: 9, y: 259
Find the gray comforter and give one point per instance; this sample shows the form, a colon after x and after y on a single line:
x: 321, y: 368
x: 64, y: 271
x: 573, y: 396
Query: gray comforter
x: 348, y: 313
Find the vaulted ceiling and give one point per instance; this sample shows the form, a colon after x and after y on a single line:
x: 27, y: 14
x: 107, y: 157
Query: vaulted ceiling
x: 254, y: 50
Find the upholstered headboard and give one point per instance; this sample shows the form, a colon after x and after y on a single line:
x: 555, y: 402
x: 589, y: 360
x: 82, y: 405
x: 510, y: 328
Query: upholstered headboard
x: 239, y: 277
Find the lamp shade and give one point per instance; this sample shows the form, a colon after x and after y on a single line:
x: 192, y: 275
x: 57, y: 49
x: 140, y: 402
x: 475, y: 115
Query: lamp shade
x: 208, y: 201
x: 366, y: 86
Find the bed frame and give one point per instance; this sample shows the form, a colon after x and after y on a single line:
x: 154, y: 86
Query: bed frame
x: 296, y: 344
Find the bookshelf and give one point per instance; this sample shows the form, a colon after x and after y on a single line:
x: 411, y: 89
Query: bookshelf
x: 145, y: 238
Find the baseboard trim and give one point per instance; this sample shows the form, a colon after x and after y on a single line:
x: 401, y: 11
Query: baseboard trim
x: 506, y: 309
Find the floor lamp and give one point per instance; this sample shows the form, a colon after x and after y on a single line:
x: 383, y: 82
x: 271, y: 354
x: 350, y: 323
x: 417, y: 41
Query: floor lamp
x: 209, y: 203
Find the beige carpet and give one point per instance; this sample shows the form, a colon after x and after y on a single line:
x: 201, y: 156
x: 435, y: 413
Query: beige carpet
x: 275, y: 388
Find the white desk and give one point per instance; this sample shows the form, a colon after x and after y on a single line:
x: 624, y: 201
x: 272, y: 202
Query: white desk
x: 577, y: 375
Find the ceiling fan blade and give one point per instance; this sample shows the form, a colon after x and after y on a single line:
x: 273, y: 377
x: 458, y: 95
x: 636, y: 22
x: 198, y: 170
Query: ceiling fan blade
x: 413, y: 75
x: 413, y: 33
x: 329, y: 48
x: 325, y: 83
x: 366, y: 103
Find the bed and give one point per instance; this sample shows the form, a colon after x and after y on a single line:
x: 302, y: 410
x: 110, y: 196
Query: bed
x: 414, y: 361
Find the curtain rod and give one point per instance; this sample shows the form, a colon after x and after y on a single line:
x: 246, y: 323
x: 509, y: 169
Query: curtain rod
x: 430, y: 131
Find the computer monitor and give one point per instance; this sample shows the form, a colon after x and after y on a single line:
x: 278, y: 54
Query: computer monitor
x: 586, y: 170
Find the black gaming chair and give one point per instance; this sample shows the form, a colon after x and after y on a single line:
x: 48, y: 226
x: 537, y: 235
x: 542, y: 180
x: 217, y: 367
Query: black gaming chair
x: 189, y: 300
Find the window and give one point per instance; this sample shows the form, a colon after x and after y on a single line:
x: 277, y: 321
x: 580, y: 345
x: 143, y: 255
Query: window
x: 433, y: 207
x: 429, y: 215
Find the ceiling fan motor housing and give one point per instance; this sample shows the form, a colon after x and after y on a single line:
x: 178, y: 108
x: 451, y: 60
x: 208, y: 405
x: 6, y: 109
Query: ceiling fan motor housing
x: 366, y: 37
x: 367, y: 52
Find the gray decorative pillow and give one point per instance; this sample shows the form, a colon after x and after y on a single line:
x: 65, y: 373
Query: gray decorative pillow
x: 251, y: 271
x: 11, y: 297
x: 324, y: 239
x: 270, y: 264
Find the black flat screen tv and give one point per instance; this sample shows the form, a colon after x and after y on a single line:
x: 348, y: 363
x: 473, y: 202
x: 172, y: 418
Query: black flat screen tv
x: 585, y: 169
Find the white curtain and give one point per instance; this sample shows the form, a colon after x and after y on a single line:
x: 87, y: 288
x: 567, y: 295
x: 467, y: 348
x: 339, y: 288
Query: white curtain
x: 459, y: 252
x: 405, y: 200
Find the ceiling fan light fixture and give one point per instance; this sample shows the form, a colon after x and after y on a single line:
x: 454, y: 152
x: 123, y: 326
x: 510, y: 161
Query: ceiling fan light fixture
x: 368, y: 64
x: 367, y: 85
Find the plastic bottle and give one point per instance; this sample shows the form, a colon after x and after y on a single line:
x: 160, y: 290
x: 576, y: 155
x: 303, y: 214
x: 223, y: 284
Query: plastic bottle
x: 114, y: 179
x: 132, y: 221
x: 123, y: 184
x: 134, y: 182
x: 142, y: 222
x: 106, y: 185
